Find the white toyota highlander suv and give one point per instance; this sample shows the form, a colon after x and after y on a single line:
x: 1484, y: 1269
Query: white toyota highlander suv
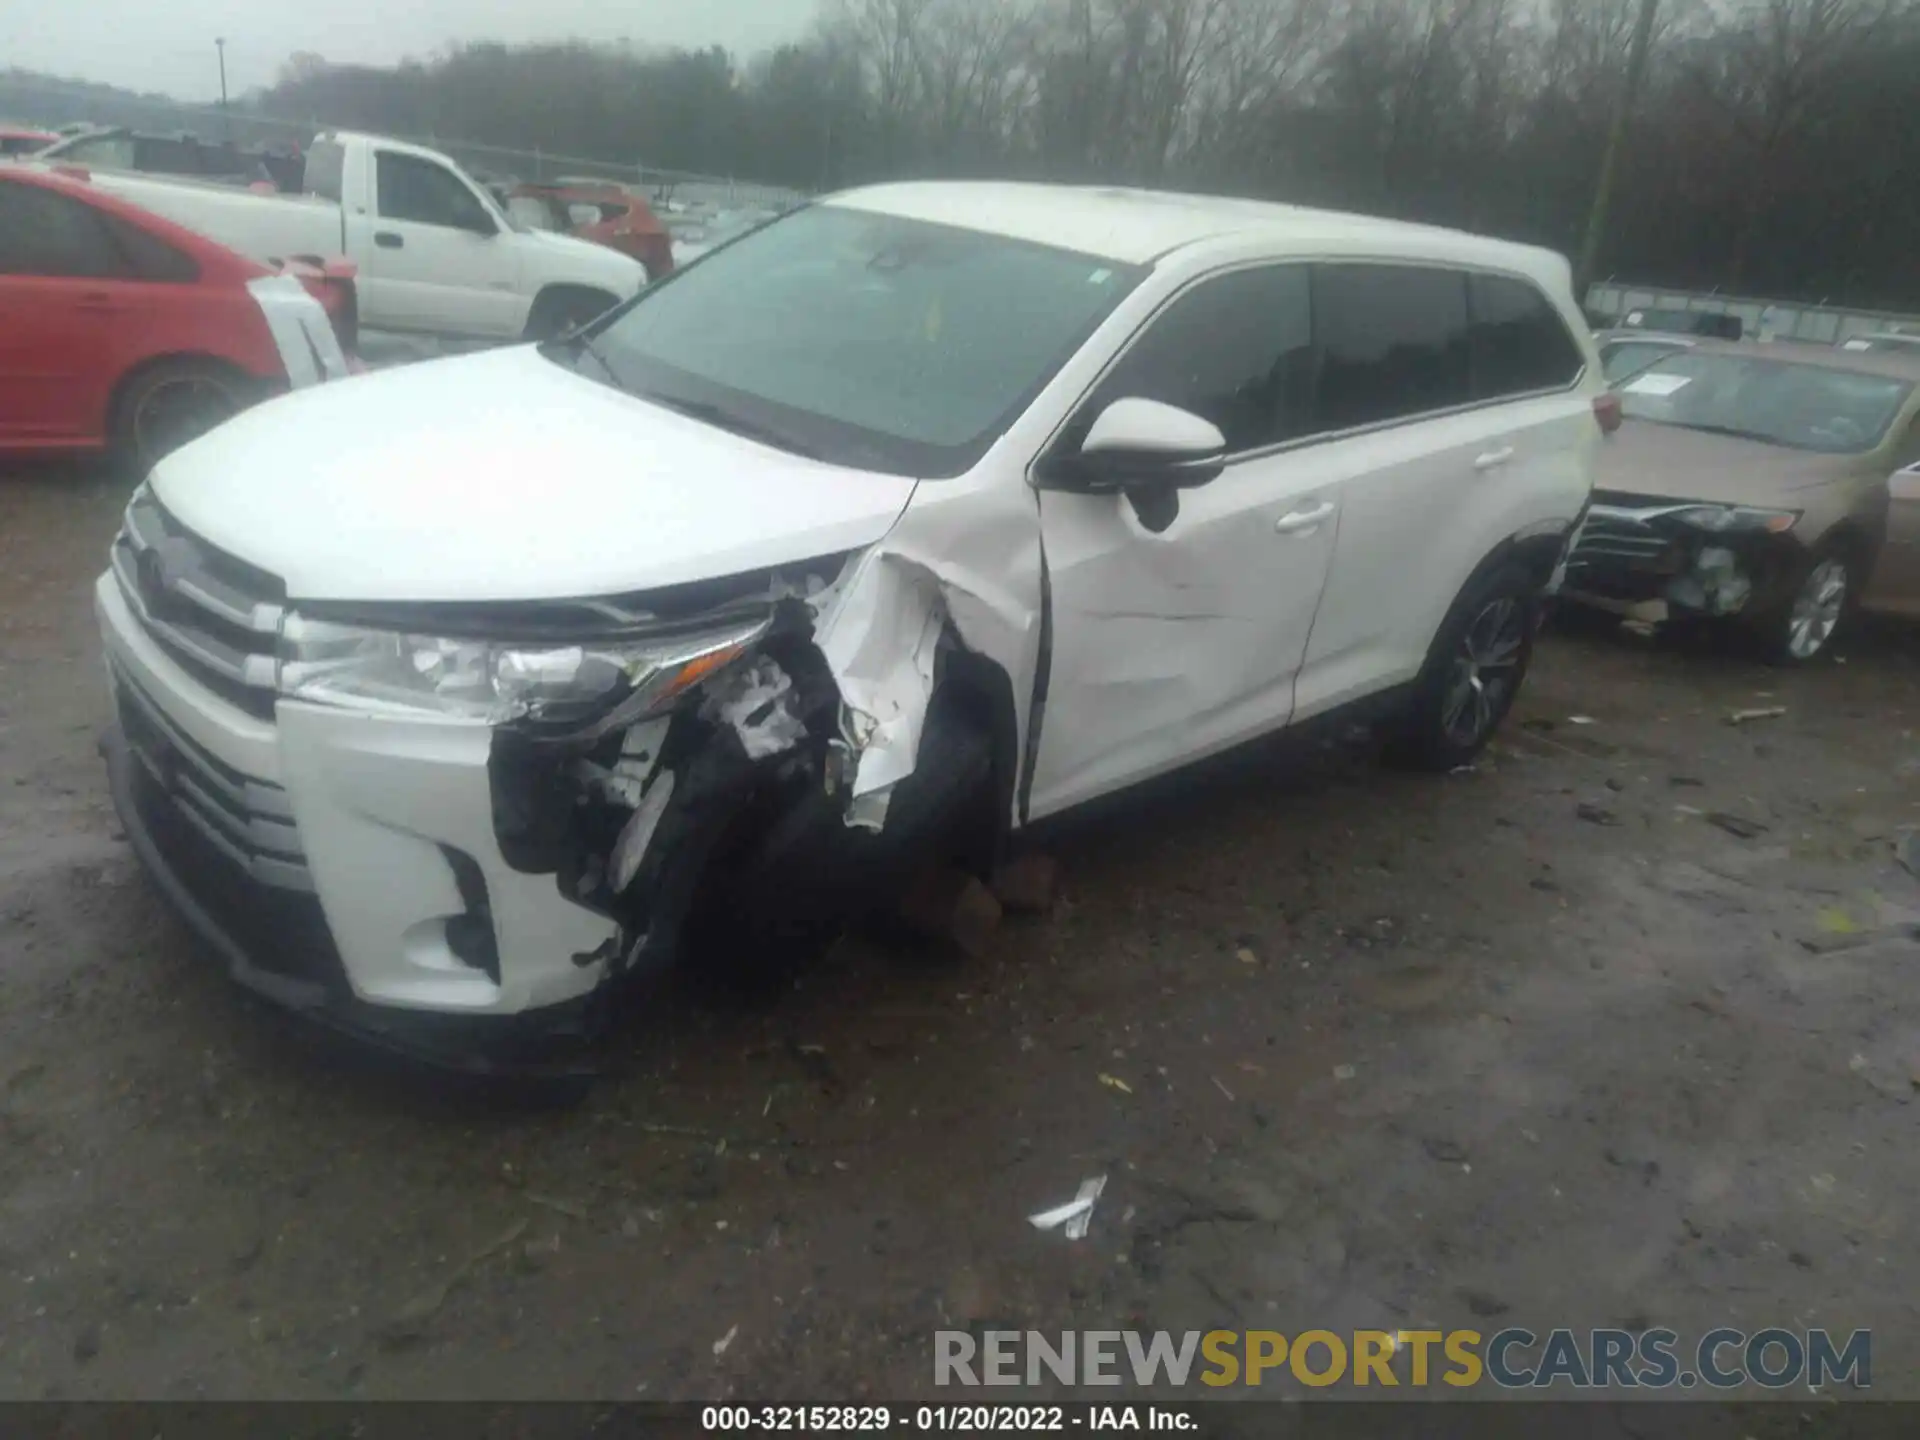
x: 451, y: 696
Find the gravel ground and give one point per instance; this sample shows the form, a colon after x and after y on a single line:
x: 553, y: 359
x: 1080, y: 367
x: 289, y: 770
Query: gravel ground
x: 1541, y: 1042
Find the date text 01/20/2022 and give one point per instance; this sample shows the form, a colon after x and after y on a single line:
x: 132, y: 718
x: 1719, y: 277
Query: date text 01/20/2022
x: 953, y: 1419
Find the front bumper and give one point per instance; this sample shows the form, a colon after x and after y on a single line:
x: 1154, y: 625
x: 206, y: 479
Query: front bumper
x: 1629, y: 554
x: 339, y: 864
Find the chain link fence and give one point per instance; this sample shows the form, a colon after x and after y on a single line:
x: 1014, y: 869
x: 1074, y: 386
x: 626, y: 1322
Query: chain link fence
x: 52, y: 103
x: 1774, y: 319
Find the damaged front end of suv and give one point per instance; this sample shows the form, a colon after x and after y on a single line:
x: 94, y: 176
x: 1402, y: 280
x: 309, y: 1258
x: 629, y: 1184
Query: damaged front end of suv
x: 735, y: 767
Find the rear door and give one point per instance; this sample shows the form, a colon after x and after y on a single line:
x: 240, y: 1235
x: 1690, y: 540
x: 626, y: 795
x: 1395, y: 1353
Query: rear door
x: 1452, y: 418
x: 64, y: 309
x: 432, y: 256
x: 1173, y: 641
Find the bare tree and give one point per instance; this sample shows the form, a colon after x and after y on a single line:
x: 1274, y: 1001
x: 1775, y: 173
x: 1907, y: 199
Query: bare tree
x: 1774, y: 148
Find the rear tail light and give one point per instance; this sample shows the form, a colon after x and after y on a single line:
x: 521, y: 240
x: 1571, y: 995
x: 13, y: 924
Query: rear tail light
x: 331, y: 282
x: 1606, y: 409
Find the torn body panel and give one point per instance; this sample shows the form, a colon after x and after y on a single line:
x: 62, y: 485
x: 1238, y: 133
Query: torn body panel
x: 879, y: 716
x: 951, y: 597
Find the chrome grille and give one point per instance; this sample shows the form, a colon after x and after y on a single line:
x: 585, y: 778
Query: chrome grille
x: 249, y: 821
x: 1619, y: 535
x: 216, y: 615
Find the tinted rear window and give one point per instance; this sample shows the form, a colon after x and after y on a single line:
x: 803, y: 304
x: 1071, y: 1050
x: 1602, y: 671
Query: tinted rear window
x: 1520, y: 344
x: 149, y: 257
x: 1394, y: 342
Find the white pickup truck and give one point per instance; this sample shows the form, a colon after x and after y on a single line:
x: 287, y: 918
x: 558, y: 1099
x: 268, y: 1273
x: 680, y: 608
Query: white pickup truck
x: 435, y: 254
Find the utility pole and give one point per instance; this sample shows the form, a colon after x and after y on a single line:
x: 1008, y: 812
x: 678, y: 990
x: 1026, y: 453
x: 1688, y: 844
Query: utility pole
x: 1616, y: 138
x: 226, y: 120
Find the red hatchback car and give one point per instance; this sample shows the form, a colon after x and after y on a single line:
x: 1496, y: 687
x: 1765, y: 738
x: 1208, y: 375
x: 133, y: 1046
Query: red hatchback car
x: 123, y: 331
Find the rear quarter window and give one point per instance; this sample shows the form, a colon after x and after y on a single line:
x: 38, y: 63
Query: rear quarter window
x: 326, y: 164
x: 1520, y: 343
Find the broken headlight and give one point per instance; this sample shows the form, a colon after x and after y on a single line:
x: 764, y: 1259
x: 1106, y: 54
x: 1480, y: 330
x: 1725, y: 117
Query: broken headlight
x: 590, y: 686
x: 1731, y: 519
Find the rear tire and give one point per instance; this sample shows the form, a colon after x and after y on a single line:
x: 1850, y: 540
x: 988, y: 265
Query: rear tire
x: 1473, y: 672
x: 160, y: 408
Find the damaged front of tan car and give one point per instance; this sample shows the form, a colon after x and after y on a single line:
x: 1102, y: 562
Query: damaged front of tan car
x: 1708, y: 560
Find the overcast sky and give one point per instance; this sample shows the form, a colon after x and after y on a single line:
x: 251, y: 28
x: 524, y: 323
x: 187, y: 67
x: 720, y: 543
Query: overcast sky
x: 167, y: 45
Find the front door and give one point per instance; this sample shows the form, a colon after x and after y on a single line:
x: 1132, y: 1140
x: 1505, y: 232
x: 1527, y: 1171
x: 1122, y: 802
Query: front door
x: 1169, y: 644
x: 62, y: 303
x: 432, y: 258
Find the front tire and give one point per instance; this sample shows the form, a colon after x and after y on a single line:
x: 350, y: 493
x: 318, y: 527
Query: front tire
x: 1801, y: 631
x: 1473, y: 672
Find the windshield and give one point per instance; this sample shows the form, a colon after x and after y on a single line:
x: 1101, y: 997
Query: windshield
x: 1802, y: 407
x: 863, y: 339
x: 1884, y: 343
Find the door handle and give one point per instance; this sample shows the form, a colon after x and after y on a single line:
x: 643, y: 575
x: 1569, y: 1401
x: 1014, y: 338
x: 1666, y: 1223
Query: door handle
x: 1493, y: 459
x: 388, y: 239
x: 97, y: 300
x: 1294, y: 521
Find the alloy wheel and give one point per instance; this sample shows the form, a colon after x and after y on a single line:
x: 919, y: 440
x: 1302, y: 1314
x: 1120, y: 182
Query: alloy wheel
x: 1817, y: 609
x: 1485, y: 671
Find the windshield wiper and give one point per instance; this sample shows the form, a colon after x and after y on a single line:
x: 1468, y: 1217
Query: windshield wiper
x: 579, y: 343
x: 1737, y: 433
x: 711, y: 414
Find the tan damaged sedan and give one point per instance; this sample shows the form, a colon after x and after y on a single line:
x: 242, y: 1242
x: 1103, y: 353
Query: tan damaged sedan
x: 1769, y: 484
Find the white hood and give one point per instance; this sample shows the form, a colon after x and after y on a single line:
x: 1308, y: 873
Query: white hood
x: 505, y: 476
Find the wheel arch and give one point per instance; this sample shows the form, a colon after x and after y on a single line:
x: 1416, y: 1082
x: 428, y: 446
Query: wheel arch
x: 1536, y: 549
x: 252, y: 387
x: 1858, y: 539
x: 982, y: 692
x: 557, y: 293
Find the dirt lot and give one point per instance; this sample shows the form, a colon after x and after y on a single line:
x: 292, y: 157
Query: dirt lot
x: 1534, y: 1045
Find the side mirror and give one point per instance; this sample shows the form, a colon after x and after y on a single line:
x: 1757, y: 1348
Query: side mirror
x: 1137, y: 444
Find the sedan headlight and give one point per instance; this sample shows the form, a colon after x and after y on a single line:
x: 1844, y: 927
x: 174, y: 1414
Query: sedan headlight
x: 1727, y: 519
x: 592, y: 686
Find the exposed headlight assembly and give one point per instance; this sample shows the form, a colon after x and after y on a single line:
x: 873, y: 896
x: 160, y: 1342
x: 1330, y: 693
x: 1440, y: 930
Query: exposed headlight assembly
x: 586, y: 689
x: 1734, y: 519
